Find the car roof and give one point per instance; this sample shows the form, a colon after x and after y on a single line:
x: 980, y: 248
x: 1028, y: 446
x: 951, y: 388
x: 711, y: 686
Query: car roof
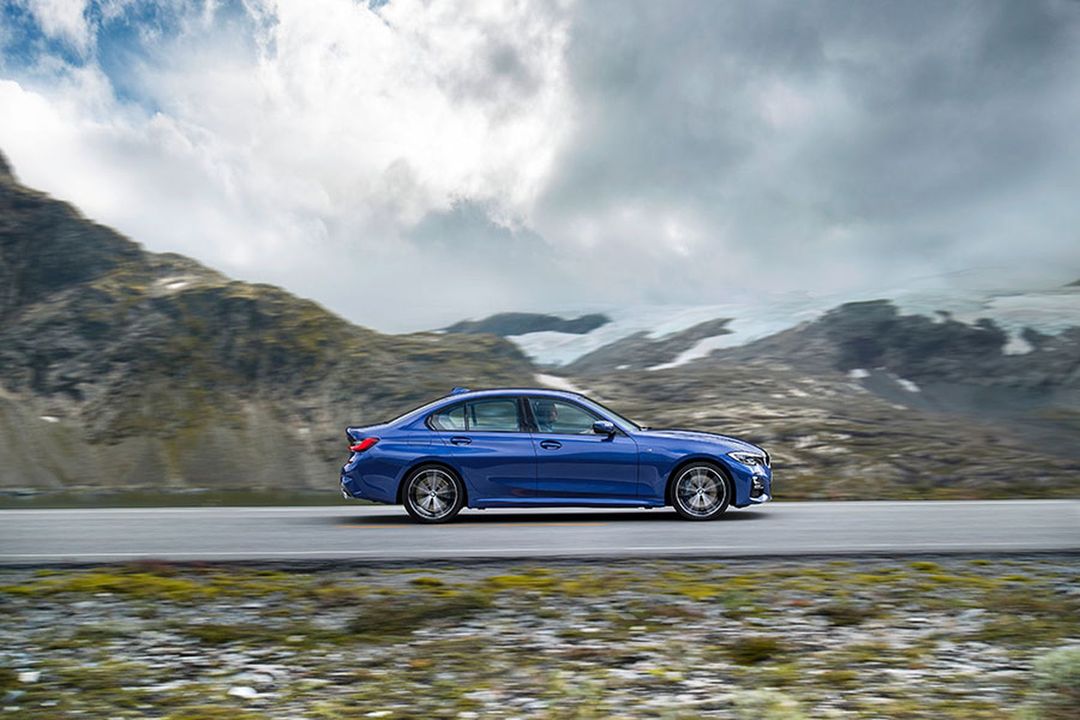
x: 463, y: 394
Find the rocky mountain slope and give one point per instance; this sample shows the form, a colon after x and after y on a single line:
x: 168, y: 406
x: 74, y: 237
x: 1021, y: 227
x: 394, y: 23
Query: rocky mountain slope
x: 868, y: 400
x: 520, y: 323
x: 123, y: 368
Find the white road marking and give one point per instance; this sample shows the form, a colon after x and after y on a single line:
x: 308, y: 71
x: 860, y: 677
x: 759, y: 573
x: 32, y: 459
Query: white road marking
x: 805, y: 550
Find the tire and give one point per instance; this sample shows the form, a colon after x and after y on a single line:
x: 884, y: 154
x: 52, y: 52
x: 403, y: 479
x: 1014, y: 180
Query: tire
x: 433, y: 494
x: 700, y: 491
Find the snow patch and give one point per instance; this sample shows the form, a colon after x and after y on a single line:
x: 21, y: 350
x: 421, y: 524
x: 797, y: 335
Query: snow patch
x: 177, y: 282
x: 557, y: 383
x: 749, y: 321
x: 858, y: 373
x: 1017, y: 345
x: 50, y: 418
x: 700, y: 349
x: 908, y: 385
x: 1047, y: 311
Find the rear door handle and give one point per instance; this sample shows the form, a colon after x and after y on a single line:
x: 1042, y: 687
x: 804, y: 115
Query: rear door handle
x: 458, y: 440
x: 550, y: 444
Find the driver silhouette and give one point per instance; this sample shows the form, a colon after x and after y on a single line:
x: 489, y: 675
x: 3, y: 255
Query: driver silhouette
x: 546, y: 415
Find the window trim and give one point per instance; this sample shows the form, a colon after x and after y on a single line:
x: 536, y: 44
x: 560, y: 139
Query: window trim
x: 430, y: 425
x: 565, y: 401
x: 524, y: 426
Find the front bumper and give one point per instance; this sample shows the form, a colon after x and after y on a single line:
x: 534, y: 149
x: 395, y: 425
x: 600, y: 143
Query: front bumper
x: 760, y: 489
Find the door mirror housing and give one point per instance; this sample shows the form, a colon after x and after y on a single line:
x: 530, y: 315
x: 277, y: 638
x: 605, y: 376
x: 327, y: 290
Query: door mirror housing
x: 603, y: 427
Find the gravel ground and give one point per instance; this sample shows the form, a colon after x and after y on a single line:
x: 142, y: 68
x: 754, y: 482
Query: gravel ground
x: 953, y: 637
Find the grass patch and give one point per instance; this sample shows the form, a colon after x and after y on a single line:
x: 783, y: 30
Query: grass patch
x: 400, y: 616
x: 212, y: 712
x: 844, y: 614
x: 755, y: 649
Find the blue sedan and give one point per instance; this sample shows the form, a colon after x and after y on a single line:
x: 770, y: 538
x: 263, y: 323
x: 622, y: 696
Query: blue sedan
x: 534, y: 447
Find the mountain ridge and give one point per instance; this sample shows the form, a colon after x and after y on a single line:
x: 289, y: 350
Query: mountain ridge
x: 160, y: 372
x: 122, y: 369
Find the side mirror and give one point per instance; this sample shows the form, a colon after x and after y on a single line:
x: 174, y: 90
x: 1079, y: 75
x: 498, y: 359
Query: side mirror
x: 603, y: 427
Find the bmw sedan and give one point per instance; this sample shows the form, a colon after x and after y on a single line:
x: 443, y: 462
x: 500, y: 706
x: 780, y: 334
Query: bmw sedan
x: 546, y: 448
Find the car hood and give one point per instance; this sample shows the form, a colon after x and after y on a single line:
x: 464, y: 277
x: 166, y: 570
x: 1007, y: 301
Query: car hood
x: 731, y: 443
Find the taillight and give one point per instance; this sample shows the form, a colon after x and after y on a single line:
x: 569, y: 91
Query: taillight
x: 364, y: 444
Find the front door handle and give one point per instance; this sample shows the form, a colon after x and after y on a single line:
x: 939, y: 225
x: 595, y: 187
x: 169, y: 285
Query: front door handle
x: 458, y: 440
x: 550, y: 444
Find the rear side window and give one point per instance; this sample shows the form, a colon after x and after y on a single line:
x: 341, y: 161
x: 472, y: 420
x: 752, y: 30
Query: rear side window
x: 495, y: 415
x: 451, y: 418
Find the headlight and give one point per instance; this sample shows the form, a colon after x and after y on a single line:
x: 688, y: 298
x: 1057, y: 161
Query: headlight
x: 748, y: 458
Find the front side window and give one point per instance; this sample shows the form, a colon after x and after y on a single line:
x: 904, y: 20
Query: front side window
x: 556, y: 416
x: 494, y: 415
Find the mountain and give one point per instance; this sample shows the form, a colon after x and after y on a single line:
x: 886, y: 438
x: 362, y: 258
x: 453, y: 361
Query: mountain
x: 867, y: 400
x: 125, y: 369
x: 122, y: 368
x: 517, y: 323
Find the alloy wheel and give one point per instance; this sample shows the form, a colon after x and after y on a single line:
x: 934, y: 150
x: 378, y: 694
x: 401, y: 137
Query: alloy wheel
x: 701, y: 492
x: 433, y: 494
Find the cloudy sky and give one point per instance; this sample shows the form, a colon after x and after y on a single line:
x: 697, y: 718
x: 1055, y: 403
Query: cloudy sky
x: 410, y: 163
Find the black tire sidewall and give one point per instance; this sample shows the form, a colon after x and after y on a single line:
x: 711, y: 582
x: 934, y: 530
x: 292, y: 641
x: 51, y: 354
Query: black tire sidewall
x: 406, y: 495
x: 729, y: 490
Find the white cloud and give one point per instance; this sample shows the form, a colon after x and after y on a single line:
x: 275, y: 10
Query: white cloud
x: 63, y: 20
x: 316, y: 143
x: 424, y: 161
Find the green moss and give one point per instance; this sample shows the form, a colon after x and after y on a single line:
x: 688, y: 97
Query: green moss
x: 754, y: 649
x: 138, y: 584
x: 839, y: 678
x: 212, y: 712
x: 1057, y: 684
x: 843, y: 614
x: 8, y: 678
x: 384, y: 620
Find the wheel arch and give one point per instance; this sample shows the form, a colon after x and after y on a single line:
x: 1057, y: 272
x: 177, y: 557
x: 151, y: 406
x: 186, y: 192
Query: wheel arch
x: 701, y: 458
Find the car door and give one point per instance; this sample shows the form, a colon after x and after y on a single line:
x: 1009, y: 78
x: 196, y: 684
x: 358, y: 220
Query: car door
x: 491, y: 447
x: 575, y: 463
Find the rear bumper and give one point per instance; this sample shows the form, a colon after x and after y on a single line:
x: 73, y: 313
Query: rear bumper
x: 347, y: 490
x: 367, y: 485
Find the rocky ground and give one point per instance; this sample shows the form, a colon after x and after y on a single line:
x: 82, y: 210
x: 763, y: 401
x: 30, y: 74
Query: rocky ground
x: 959, y: 637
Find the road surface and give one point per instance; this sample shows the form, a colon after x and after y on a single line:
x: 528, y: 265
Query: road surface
x: 379, y: 533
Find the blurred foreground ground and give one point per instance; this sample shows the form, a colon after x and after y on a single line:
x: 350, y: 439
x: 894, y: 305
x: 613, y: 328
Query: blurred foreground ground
x: 959, y: 637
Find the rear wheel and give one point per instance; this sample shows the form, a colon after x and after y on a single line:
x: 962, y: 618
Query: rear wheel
x: 433, y: 494
x: 700, y: 491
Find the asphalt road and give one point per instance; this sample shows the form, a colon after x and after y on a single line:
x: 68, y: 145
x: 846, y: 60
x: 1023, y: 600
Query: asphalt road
x: 377, y: 533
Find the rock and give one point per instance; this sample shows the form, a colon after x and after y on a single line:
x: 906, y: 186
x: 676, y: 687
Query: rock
x: 505, y: 324
x: 244, y: 692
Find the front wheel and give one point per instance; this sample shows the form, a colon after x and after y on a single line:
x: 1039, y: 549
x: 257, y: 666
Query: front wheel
x: 700, y: 491
x: 433, y: 494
